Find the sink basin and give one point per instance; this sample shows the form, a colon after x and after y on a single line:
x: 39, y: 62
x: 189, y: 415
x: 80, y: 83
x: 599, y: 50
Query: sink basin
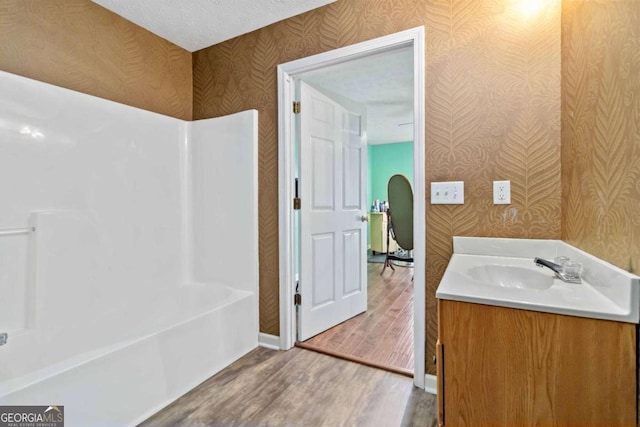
x: 507, y: 276
x: 501, y: 272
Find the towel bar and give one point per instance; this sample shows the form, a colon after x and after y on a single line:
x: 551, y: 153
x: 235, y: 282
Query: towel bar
x: 14, y: 231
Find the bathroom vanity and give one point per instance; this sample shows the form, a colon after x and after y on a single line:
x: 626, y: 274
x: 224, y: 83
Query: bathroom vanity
x: 518, y: 346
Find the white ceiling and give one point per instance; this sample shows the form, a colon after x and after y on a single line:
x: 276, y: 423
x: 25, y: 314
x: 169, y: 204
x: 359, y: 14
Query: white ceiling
x: 196, y: 24
x: 383, y: 82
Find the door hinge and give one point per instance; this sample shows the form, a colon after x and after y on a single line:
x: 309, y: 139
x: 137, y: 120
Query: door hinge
x: 296, y: 107
x: 296, y: 198
x: 297, y: 299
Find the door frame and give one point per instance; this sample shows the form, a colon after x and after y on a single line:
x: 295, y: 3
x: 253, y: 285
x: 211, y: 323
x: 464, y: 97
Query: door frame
x: 286, y: 151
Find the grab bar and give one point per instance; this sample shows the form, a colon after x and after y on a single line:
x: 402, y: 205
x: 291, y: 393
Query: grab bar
x: 14, y: 231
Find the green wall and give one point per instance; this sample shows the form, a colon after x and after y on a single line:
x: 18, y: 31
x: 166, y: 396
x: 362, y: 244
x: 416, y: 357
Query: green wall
x: 386, y: 160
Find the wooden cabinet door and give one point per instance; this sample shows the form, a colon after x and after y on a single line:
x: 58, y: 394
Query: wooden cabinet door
x: 515, y: 367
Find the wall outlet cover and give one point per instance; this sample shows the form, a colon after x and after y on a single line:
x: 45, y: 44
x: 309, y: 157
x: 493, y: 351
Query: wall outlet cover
x: 501, y: 192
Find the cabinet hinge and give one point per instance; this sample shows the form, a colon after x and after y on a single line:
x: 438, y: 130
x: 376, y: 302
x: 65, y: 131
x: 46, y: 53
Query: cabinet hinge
x: 297, y: 299
x: 296, y: 107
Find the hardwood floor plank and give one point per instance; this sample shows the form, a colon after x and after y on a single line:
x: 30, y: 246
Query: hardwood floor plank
x: 420, y: 410
x: 403, y: 353
x: 374, y: 319
x: 394, y: 395
x: 379, y: 323
x: 299, y: 388
x: 399, y: 326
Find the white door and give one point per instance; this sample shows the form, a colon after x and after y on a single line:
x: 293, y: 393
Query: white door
x: 333, y: 231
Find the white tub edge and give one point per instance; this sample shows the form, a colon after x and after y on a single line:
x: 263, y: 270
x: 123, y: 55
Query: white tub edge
x: 134, y: 382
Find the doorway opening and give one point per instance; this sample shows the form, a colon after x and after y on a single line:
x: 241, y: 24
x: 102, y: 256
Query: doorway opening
x: 315, y: 70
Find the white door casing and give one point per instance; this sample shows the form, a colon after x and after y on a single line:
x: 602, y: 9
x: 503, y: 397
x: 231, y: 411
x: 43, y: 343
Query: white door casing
x: 333, y: 232
x: 414, y: 37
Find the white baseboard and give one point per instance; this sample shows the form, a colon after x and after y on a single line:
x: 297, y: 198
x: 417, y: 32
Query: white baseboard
x: 269, y: 341
x: 431, y: 384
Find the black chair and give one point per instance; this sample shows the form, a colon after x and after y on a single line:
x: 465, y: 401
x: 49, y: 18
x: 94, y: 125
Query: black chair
x: 399, y: 219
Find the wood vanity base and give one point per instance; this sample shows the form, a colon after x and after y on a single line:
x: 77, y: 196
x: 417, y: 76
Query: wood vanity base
x: 503, y: 366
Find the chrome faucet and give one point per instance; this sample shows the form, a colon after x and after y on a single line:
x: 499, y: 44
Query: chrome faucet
x: 559, y: 270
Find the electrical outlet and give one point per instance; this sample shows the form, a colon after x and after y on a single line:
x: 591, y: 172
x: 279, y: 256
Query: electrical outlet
x: 447, y: 193
x: 501, y: 192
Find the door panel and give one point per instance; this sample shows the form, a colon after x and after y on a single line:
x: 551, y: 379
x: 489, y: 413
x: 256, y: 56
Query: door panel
x: 351, y: 185
x: 322, y: 164
x: 333, y: 236
x: 323, y: 265
x: 352, y: 280
x: 323, y: 112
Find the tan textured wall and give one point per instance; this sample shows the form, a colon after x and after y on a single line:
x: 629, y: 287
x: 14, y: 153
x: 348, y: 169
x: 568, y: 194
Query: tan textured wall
x: 601, y: 129
x: 79, y: 45
x: 493, y: 112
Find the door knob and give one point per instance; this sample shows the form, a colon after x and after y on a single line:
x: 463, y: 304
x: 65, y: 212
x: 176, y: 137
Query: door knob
x: 364, y: 218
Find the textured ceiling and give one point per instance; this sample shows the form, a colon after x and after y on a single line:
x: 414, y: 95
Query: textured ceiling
x: 384, y: 83
x: 196, y: 24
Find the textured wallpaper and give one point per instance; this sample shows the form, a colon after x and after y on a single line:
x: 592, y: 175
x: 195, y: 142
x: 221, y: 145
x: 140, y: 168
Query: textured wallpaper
x: 492, y: 112
x: 601, y: 129
x: 79, y: 45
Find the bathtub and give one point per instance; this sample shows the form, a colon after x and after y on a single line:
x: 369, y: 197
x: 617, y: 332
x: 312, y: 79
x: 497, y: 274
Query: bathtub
x: 162, y: 350
x: 139, y: 277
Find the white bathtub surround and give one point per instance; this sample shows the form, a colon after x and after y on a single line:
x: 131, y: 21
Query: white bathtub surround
x: 141, y: 279
x: 225, y: 200
x: 501, y: 272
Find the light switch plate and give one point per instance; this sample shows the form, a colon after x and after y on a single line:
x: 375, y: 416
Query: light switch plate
x: 501, y: 192
x: 447, y: 193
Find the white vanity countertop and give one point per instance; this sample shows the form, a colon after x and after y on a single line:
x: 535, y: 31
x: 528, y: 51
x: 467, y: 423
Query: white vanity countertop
x: 606, y: 292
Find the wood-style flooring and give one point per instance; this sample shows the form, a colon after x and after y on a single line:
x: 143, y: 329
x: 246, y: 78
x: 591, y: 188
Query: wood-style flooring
x: 300, y: 388
x: 382, y: 336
